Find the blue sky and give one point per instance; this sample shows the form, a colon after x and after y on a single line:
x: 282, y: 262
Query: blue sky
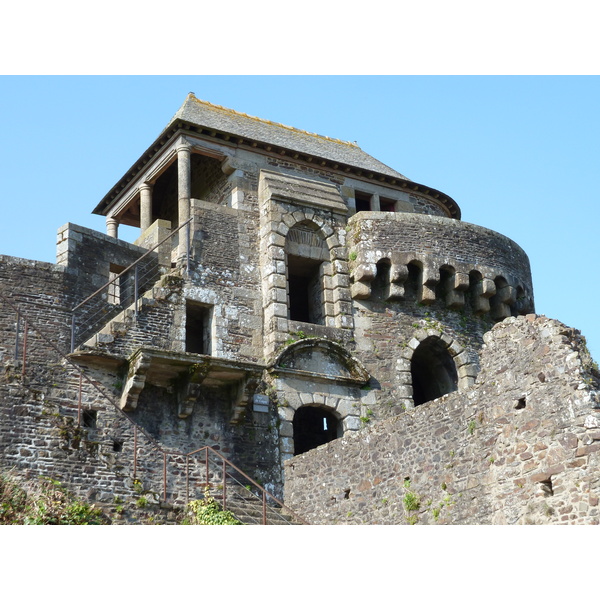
x: 519, y: 154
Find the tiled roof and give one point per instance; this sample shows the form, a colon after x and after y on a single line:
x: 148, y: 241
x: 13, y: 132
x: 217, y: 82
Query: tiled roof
x: 201, y: 113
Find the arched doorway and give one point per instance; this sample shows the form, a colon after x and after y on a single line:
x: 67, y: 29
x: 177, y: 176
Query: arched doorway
x: 433, y: 371
x: 313, y: 426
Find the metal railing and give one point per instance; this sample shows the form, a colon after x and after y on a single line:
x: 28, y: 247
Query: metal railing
x: 103, y: 305
x: 183, y: 475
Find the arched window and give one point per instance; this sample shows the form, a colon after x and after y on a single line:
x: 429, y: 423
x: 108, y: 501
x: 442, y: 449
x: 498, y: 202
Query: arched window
x: 433, y: 371
x: 313, y: 426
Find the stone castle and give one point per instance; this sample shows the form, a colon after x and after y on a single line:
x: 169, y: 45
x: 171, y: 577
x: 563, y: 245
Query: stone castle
x: 328, y: 326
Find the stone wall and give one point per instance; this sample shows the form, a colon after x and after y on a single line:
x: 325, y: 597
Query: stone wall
x: 521, y: 446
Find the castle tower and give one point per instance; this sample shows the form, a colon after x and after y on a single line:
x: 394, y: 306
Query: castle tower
x: 288, y: 288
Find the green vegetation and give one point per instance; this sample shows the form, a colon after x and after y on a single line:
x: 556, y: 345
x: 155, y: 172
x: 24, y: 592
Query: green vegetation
x: 43, y: 502
x: 411, y: 501
x: 208, y: 512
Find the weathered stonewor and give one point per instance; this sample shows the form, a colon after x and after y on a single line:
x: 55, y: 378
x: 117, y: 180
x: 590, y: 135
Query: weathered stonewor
x: 288, y: 297
x: 521, y: 446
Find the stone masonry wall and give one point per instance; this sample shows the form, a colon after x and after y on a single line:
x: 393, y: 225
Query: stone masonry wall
x: 522, y: 446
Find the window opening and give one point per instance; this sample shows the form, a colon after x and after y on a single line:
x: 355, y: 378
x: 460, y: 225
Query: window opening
x: 117, y: 445
x: 114, y: 287
x: 89, y: 418
x: 433, y: 371
x: 313, y: 426
x: 305, y: 290
x: 387, y: 205
x: 362, y: 201
x: 197, y: 328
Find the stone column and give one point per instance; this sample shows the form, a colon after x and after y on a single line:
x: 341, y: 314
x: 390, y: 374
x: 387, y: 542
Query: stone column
x: 375, y: 204
x: 184, y: 192
x: 145, y: 206
x: 112, y: 227
x: 184, y: 182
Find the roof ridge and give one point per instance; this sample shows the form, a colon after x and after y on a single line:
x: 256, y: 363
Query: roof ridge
x: 192, y: 96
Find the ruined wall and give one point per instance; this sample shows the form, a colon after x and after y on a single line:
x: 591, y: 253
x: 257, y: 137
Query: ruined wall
x: 521, y: 446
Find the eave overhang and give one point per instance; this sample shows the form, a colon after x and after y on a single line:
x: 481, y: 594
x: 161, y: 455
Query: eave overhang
x: 179, y: 126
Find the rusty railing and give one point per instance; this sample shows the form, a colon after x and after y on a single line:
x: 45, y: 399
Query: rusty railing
x: 201, y: 469
x: 132, y: 281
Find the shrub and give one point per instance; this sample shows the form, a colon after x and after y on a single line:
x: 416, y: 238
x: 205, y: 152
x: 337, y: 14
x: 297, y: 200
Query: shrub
x: 209, y: 512
x: 43, y: 502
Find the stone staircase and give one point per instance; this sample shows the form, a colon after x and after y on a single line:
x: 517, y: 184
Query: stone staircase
x: 126, y: 317
x: 248, y: 508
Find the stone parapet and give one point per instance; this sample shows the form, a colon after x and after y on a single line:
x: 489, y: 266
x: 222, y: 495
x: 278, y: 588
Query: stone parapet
x: 450, y: 260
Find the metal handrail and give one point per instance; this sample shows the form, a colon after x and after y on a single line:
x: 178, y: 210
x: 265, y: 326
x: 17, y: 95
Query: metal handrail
x: 137, y: 430
x: 132, y: 265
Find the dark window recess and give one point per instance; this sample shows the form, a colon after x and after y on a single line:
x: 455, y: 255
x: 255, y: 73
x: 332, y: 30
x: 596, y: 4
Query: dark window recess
x: 381, y: 284
x: 89, y: 418
x: 313, y: 426
x: 413, y: 282
x: 197, y: 328
x: 114, y: 290
x: 387, y: 205
x: 305, y: 290
x: 433, y: 371
x: 362, y: 201
x: 546, y: 487
x: 117, y: 445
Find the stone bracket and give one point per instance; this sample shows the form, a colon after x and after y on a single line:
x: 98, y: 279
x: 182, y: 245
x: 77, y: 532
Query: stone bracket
x: 135, y: 381
x: 243, y: 393
x: 187, y: 396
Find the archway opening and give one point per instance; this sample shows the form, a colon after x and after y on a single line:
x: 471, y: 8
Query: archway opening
x: 433, y: 371
x: 313, y: 426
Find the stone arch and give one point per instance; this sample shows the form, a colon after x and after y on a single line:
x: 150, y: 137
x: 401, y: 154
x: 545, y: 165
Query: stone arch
x: 433, y: 371
x: 434, y: 346
x: 340, y: 401
x: 314, y: 425
x: 324, y: 357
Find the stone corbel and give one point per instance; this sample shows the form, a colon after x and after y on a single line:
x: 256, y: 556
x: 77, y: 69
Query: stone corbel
x: 398, y: 275
x: 430, y: 280
x: 483, y: 290
x: 501, y: 302
x: 243, y: 392
x: 187, y: 397
x: 363, y: 275
x: 455, y: 297
x: 189, y: 389
x: 134, y: 384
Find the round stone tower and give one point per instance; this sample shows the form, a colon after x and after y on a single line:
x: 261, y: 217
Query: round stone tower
x: 425, y: 289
